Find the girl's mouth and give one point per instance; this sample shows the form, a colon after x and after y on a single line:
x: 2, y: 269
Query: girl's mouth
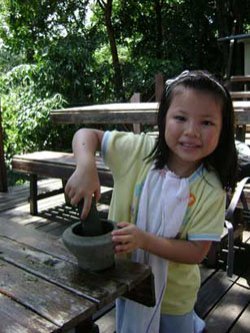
x: 190, y: 145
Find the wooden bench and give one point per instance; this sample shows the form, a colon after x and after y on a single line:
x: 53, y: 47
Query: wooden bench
x: 242, y: 95
x: 52, y: 164
x: 240, y: 78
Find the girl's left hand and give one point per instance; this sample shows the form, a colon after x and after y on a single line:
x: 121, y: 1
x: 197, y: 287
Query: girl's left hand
x: 127, y: 238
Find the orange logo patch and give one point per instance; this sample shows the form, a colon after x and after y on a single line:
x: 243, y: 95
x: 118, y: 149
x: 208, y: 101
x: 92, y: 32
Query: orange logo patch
x: 191, y: 200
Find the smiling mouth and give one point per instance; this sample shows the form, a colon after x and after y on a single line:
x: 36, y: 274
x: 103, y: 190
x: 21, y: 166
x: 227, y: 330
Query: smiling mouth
x: 189, y: 145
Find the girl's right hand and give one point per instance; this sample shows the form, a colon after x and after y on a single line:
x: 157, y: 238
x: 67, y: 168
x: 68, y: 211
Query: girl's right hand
x: 83, y: 184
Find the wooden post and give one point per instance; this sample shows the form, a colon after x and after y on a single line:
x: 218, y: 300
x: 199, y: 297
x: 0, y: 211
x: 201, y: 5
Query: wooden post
x: 3, y: 173
x: 159, y: 86
x: 136, y: 98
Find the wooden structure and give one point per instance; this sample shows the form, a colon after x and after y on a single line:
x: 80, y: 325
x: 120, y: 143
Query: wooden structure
x: 159, y: 86
x: 128, y: 113
x: 239, y: 86
x: 223, y: 302
x: 53, y: 165
x: 233, y: 41
x: 43, y: 289
x: 135, y: 113
x: 61, y: 165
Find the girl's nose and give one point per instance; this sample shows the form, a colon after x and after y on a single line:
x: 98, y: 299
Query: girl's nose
x: 192, y: 129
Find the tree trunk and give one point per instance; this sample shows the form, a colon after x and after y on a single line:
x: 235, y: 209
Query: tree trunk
x: 3, y: 173
x: 118, y: 80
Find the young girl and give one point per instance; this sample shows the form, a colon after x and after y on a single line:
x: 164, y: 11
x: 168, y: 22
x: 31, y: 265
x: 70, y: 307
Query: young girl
x: 168, y: 197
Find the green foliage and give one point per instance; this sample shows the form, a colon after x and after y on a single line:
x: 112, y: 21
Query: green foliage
x: 50, y: 54
x: 8, y: 60
x: 67, y: 67
x: 25, y: 109
x: 28, y: 26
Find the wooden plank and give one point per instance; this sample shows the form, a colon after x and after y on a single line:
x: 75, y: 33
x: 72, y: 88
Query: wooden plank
x: 144, y: 118
x: 240, y: 78
x: 41, y: 241
x: 56, y: 165
x: 243, y: 323
x: 240, y: 94
x: 219, y: 283
x: 126, y: 273
x: 141, y: 113
x: 117, y: 113
x: 55, y: 304
x: 18, y: 195
x: 225, y: 313
x: 110, y: 107
x: 15, y: 317
x: 62, y: 273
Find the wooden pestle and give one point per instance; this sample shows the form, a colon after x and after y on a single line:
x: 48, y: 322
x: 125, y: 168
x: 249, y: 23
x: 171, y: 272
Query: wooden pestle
x: 91, y: 225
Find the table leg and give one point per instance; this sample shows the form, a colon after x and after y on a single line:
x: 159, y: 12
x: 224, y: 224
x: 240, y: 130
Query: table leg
x: 241, y: 133
x: 33, y: 194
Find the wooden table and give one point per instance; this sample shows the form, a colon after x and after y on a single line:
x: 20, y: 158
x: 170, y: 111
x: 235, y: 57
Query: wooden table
x: 43, y: 290
x: 116, y: 113
x: 135, y: 113
x: 120, y: 113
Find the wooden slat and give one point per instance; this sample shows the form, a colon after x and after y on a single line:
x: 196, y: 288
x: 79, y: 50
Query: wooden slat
x: 41, y: 241
x: 243, y: 323
x: 18, y: 195
x: 15, y: 317
x: 222, y: 317
x: 59, y: 306
x: 240, y: 94
x: 240, y: 78
x: 60, y: 272
x: 219, y: 283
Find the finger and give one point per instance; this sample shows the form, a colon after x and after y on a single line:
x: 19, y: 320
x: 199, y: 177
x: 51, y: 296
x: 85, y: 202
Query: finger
x: 97, y: 194
x: 122, y: 224
x: 67, y: 187
x: 120, y: 239
x: 68, y: 191
x: 75, y: 198
x: 122, y: 248
x: 121, y: 231
x: 86, y: 206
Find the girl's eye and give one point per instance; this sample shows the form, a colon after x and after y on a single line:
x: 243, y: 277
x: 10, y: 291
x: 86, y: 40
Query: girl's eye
x: 180, y: 118
x: 207, y: 123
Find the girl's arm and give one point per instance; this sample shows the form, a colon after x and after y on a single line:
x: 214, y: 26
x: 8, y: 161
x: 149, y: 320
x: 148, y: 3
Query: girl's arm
x: 84, y: 182
x: 129, y: 238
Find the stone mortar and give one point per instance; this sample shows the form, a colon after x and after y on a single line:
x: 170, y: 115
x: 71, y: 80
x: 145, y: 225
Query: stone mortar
x: 94, y: 253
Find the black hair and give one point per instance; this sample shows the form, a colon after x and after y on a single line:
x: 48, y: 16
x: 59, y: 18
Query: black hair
x: 224, y: 158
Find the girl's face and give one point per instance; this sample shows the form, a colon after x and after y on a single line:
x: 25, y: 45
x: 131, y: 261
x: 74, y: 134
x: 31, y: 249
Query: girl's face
x: 192, y: 129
